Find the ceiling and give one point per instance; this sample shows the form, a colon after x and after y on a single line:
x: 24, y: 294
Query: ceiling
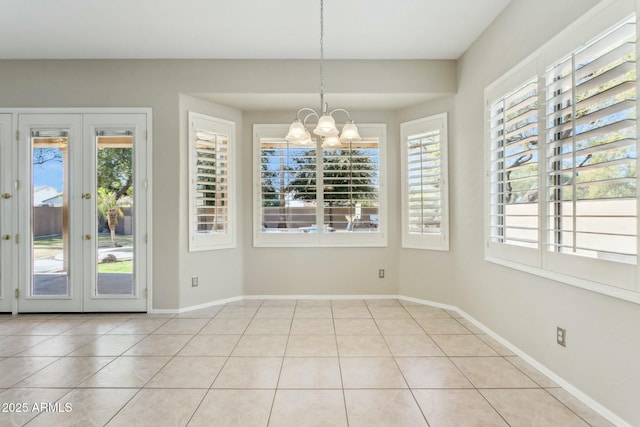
x: 241, y: 29
x: 249, y: 29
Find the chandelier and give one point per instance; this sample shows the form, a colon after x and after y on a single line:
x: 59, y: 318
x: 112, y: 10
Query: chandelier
x: 326, y: 125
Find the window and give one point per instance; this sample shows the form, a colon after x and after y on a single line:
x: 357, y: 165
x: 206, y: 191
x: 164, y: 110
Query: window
x: 591, y: 149
x: 425, y: 189
x: 562, y: 161
x: 211, y: 194
x: 302, y: 186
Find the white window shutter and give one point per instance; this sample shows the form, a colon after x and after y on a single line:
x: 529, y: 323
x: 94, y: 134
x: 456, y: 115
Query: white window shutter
x: 315, y: 196
x: 425, y: 187
x: 513, y: 167
x: 211, y: 186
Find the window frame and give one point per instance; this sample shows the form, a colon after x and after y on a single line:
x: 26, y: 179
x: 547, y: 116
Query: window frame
x: 226, y: 239
x: 314, y: 239
x: 615, y: 279
x: 428, y: 241
x: 506, y: 85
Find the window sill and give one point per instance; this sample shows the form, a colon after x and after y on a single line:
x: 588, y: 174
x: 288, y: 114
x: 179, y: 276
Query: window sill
x: 301, y: 239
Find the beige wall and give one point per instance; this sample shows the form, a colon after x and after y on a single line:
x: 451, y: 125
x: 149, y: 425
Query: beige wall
x: 603, y: 338
x: 219, y: 272
x: 159, y: 84
x: 324, y: 271
x: 429, y: 274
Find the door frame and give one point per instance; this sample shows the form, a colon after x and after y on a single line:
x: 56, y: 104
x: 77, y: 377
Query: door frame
x: 7, y: 215
x: 92, y: 123
x: 73, y: 187
x: 147, y: 259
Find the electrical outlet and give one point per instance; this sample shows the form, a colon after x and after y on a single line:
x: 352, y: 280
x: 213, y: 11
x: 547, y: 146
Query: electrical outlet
x: 381, y: 273
x: 194, y: 282
x: 561, y: 336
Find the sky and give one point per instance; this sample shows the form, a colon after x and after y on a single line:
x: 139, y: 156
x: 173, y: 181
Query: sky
x: 48, y: 174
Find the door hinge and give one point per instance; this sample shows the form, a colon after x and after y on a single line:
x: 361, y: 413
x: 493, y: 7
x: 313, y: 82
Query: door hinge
x: 146, y: 184
x: 17, y: 184
x: 146, y: 135
x: 17, y: 238
x: 146, y: 238
x: 17, y: 293
x: 146, y: 292
x: 17, y: 135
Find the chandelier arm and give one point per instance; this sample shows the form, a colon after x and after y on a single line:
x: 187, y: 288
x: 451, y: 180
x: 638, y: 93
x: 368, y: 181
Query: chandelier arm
x: 342, y: 110
x: 313, y: 112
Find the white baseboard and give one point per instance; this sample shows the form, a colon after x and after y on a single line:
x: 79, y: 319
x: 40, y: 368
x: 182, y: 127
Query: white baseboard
x: 429, y: 303
x: 194, y: 307
x: 320, y: 297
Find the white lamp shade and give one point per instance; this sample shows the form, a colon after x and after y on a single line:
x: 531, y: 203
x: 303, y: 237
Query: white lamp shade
x: 331, y: 141
x: 305, y: 140
x: 326, y: 126
x: 297, y: 131
x: 350, y: 132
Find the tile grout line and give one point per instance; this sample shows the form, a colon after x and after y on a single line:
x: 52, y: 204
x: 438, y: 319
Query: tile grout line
x: 395, y: 361
x: 275, y: 391
x: 335, y: 340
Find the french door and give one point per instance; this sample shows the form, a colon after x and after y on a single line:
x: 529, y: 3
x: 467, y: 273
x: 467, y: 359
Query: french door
x: 6, y: 207
x: 82, y: 211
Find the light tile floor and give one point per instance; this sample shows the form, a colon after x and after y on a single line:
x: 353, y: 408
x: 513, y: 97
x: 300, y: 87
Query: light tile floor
x: 276, y: 363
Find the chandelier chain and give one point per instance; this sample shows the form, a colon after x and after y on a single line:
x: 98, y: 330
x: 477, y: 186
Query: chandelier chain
x: 321, y: 55
x: 326, y: 126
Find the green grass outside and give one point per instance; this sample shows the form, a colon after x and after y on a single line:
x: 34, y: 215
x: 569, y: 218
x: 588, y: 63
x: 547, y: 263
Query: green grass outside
x: 116, y: 267
x: 49, y: 246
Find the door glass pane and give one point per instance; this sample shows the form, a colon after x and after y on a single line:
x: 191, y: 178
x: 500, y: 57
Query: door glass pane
x: 115, y: 213
x: 50, y: 213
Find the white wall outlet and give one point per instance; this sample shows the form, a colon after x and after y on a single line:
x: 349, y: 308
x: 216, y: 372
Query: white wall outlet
x: 381, y: 273
x: 194, y: 282
x: 561, y: 336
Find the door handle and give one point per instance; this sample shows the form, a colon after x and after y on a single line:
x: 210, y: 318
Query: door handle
x: 87, y: 237
x: 6, y: 237
x: 6, y: 196
x: 86, y: 196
